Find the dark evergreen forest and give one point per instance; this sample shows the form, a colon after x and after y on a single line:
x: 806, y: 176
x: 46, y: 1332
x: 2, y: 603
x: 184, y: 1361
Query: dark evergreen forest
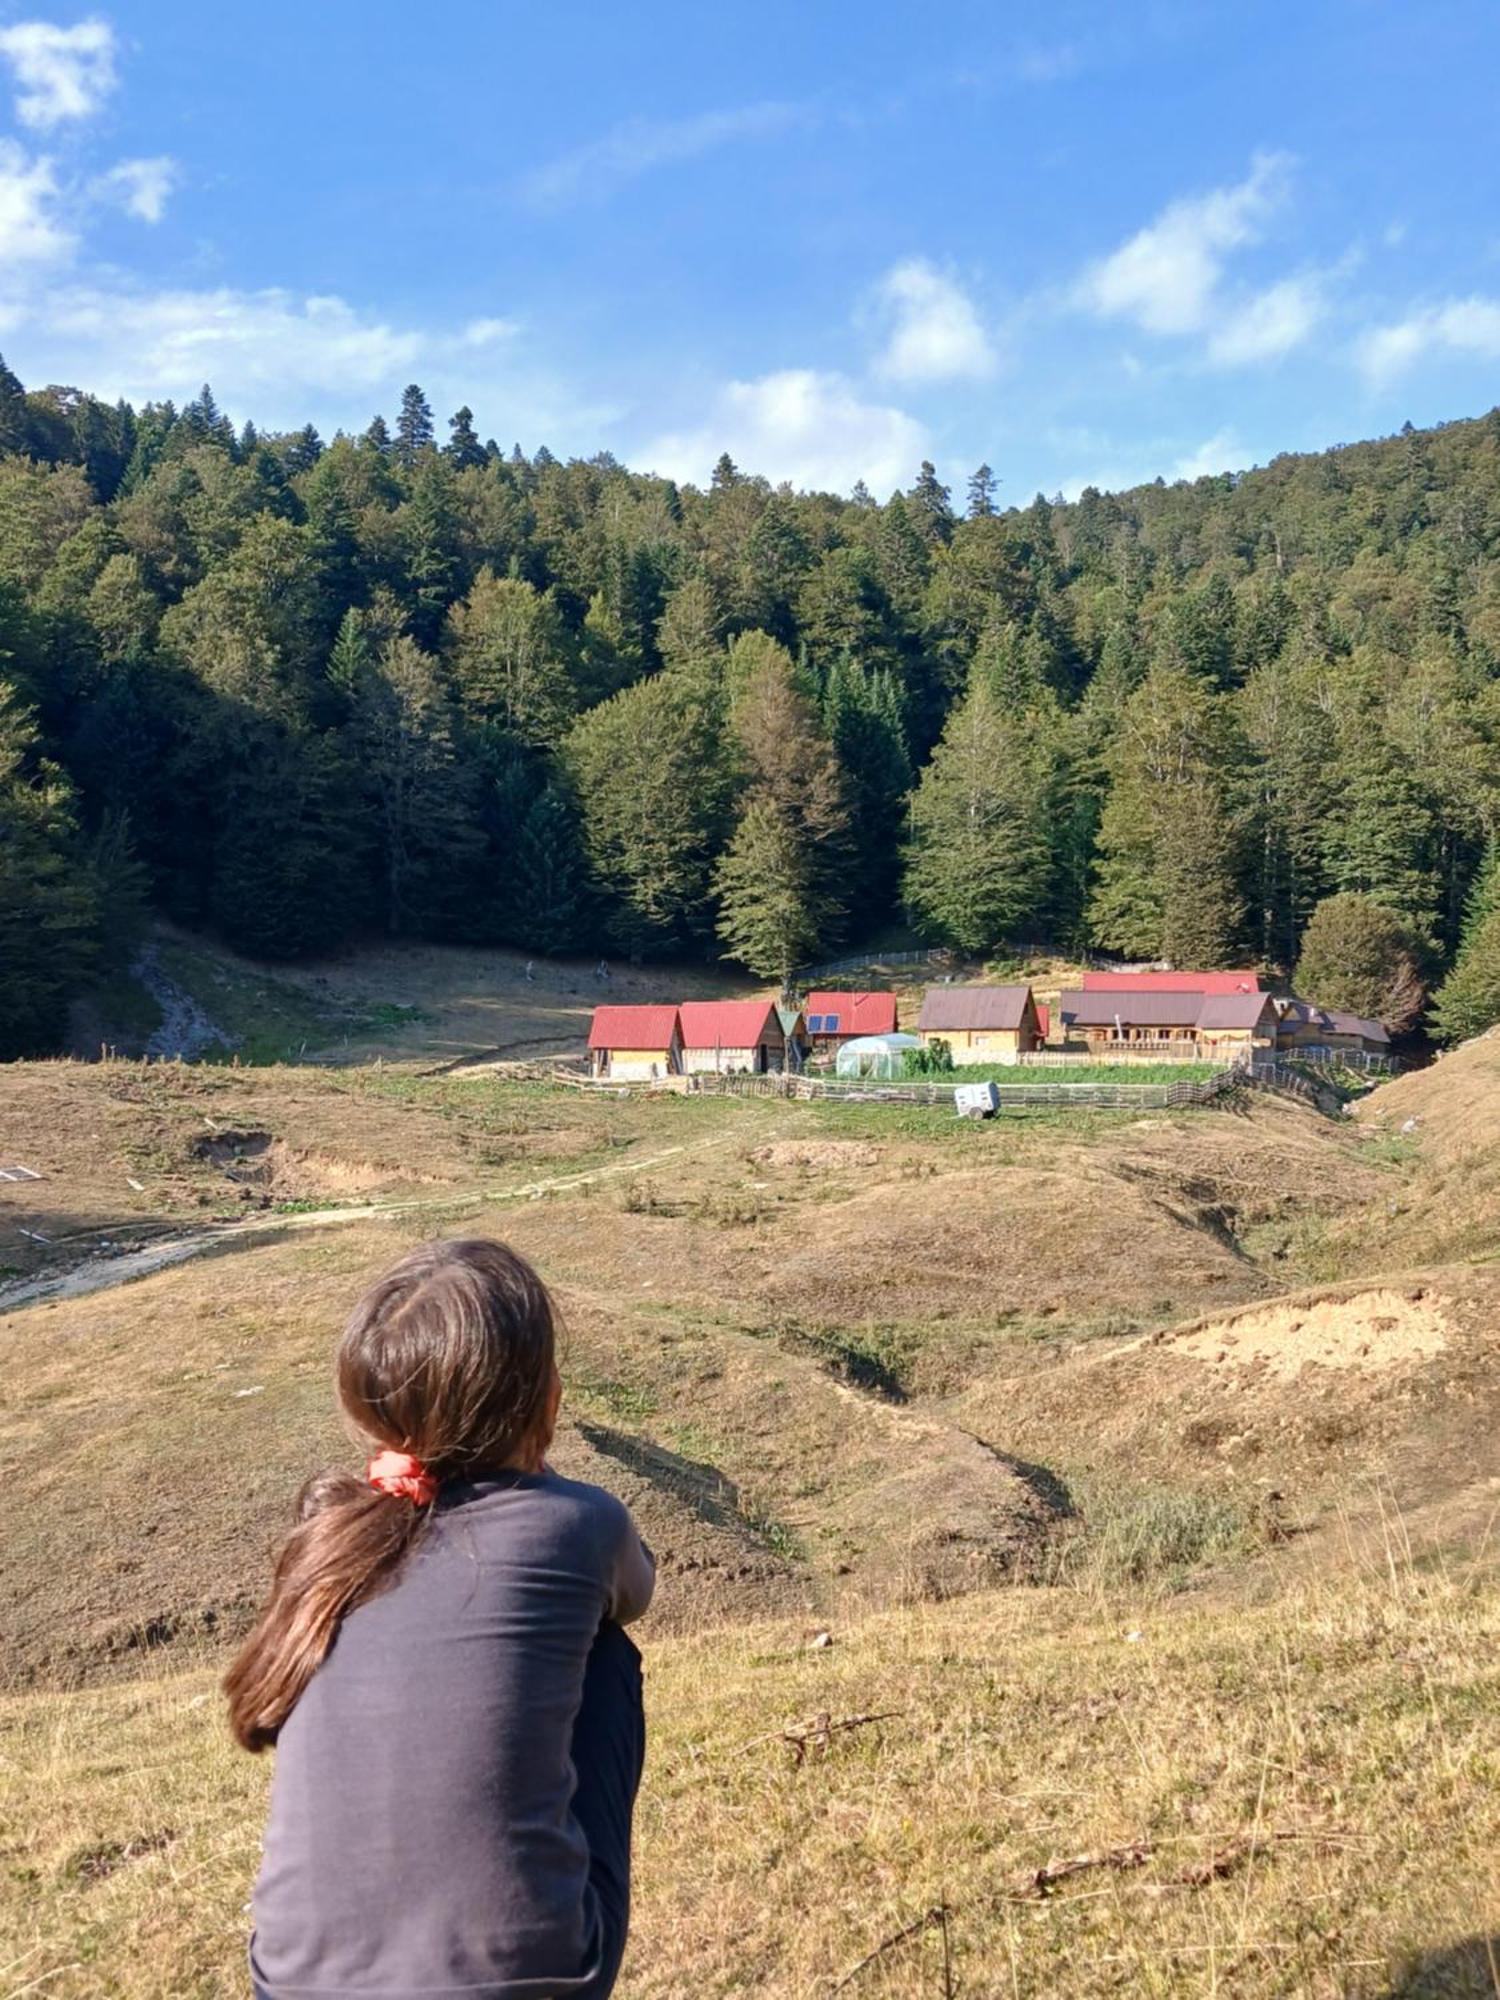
x: 297, y: 693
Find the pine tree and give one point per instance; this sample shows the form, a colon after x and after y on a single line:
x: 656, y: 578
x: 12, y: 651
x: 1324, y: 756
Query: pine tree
x: 414, y: 429
x: 463, y: 445
x: 688, y: 639
x: 982, y: 489
x: 377, y: 436
x: 549, y: 896
x: 301, y: 451
x: 433, y: 545
x: 290, y: 853
x: 782, y: 883
x: 1380, y: 838
x: 979, y: 857
x: 509, y: 655
x: 48, y: 912
x: 1290, y: 787
x: 862, y: 714
x: 350, y: 656
x: 401, y: 732
x: 15, y: 425
x: 1166, y: 879
x: 1468, y: 1001
x: 931, y: 505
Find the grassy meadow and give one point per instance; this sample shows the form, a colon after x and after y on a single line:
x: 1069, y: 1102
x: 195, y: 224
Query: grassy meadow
x: 1075, y: 1529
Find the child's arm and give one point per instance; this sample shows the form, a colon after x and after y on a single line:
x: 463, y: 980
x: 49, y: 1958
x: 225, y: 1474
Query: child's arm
x: 634, y: 1578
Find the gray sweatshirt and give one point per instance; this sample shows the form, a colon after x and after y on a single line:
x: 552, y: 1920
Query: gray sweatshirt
x: 421, y: 1839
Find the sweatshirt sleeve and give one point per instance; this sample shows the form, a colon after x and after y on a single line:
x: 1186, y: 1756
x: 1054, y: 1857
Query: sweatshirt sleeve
x: 633, y: 1578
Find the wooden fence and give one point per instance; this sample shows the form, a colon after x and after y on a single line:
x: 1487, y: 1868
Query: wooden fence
x: 861, y: 1090
x: 1264, y: 1072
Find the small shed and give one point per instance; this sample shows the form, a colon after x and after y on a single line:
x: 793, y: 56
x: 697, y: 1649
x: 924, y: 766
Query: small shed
x: 732, y: 1035
x: 835, y: 1018
x: 794, y: 1029
x: 881, y: 1056
x: 1354, y: 1031
x: 1304, y: 1026
x: 635, y: 1043
x: 980, y: 1023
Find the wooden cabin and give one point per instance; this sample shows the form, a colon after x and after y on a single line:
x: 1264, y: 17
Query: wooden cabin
x: 1181, y: 1024
x: 1236, y: 1024
x: 835, y: 1018
x: 980, y: 1024
x: 1302, y: 1025
x: 732, y: 1035
x: 1146, y: 1020
x: 635, y: 1043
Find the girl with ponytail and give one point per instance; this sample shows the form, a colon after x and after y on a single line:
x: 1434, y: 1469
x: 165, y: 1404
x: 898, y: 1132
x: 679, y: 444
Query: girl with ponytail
x: 441, y: 1667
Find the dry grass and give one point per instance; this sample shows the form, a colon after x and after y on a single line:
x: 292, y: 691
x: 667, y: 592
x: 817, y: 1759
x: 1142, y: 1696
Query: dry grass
x: 835, y: 1357
x: 1296, y: 1799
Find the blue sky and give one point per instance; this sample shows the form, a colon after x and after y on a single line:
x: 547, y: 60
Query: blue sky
x: 1083, y: 243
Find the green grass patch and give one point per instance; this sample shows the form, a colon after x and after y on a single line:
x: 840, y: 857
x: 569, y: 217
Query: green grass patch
x: 1129, y: 1537
x: 1104, y: 1072
x: 872, y: 1357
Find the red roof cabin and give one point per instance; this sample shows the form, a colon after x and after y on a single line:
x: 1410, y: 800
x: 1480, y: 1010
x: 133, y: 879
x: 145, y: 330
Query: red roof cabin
x: 834, y: 1018
x: 729, y: 1035
x: 1172, y: 982
x: 636, y: 1043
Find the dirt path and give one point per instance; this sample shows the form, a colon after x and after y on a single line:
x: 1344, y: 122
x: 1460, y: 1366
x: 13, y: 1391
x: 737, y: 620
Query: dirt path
x: 103, y: 1273
x: 186, y: 1029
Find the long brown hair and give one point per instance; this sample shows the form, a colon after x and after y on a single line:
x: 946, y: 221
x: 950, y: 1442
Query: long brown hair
x: 449, y: 1357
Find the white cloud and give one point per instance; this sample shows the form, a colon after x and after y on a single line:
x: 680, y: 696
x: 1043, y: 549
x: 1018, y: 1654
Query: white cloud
x: 1113, y: 465
x: 278, y: 356
x: 1220, y: 453
x: 935, y: 334
x: 62, y: 72
x: 1166, y: 278
x: 31, y: 228
x: 1268, y: 325
x: 812, y: 428
x: 1040, y: 62
x: 638, y: 145
x: 140, y: 187
x: 1459, y: 326
x: 485, y: 332
x: 257, y: 348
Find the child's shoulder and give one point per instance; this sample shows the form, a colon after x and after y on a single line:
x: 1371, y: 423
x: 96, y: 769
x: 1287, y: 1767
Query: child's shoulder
x: 595, y: 1503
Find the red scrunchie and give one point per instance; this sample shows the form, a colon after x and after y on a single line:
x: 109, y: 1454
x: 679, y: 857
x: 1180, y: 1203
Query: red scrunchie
x: 403, y: 1477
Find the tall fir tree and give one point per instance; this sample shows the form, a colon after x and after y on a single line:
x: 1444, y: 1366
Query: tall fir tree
x: 1166, y: 883
x: 979, y: 857
x: 783, y: 880
x: 414, y: 427
x: 48, y: 908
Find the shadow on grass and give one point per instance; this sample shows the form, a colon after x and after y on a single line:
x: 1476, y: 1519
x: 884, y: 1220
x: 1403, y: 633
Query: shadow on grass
x: 700, y: 1486
x: 1467, y: 1970
x: 1048, y: 1486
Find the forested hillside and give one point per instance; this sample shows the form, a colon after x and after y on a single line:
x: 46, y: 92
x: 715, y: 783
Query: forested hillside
x: 294, y: 693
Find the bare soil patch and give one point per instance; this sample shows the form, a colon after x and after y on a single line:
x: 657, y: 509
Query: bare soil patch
x: 1371, y: 1331
x: 828, y: 1153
